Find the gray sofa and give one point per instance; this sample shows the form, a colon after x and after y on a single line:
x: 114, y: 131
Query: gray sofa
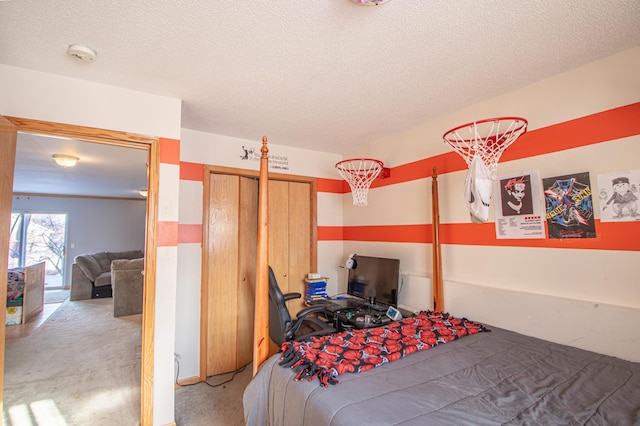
x: 127, y: 282
x: 91, y: 273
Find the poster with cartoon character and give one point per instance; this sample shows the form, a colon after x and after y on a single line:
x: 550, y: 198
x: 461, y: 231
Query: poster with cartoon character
x: 569, y: 206
x: 618, y: 196
x: 519, y: 211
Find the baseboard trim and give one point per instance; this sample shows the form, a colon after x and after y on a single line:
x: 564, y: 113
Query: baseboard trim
x: 187, y: 382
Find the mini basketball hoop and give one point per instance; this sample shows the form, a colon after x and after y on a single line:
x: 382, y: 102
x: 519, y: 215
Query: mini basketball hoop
x: 360, y: 173
x: 486, y: 138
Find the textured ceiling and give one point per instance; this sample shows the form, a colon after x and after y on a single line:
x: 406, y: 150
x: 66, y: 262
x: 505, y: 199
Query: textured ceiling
x: 326, y: 75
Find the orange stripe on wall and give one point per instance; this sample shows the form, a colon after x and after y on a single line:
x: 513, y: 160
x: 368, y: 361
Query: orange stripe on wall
x: 609, y: 236
x: 189, y: 233
x: 391, y: 233
x: 604, y: 126
x: 167, y: 234
x: 334, y: 186
x: 192, y: 171
x: 330, y: 233
x: 169, y: 151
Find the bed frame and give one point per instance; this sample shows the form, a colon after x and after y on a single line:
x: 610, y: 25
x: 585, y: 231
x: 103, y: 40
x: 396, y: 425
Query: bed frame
x: 261, y: 321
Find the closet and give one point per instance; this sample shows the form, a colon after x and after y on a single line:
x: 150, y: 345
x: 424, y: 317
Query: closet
x: 229, y: 257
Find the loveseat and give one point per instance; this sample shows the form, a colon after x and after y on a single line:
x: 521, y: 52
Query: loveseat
x: 91, y: 273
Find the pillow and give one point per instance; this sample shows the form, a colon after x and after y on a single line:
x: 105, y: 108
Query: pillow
x: 89, y: 266
x: 103, y: 261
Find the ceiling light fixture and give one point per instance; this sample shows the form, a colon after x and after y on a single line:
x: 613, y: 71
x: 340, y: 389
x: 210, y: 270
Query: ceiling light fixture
x: 144, y: 192
x: 370, y: 2
x: 82, y: 53
x: 65, y: 160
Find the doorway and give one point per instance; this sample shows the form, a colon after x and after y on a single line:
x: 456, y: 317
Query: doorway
x: 9, y: 126
x: 40, y: 237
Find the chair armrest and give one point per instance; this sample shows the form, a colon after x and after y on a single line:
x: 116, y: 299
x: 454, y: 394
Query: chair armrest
x: 310, y: 310
x: 291, y: 296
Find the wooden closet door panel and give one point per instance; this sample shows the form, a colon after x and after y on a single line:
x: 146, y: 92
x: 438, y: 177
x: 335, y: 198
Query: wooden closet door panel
x: 299, y: 240
x: 247, y: 268
x: 223, y: 274
x: 279, y: 232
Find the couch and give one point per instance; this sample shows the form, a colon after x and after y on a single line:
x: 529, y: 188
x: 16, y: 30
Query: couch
x: 127, y: 282
x: 91, y: 273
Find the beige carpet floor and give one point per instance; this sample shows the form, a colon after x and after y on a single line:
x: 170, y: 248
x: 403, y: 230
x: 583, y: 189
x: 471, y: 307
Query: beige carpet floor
x: 56, y: 296
x: 216, y: 404
x: 80, y: 367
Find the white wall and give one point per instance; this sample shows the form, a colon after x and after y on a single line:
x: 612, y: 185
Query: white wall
x: 93, y: 224
x: 599, y: 277
x: 48, y: 97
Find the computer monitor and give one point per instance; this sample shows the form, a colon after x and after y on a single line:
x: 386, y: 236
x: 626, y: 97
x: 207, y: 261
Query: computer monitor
x: 375, y: 276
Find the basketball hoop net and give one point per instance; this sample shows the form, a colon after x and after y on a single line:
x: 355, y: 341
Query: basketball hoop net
x: 359, y: 173
x: 486, y: 138
x: 481, y: 144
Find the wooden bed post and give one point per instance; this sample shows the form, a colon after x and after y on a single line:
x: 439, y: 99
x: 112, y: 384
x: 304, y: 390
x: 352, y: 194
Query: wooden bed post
x: 438, y: 295
x: 261, y: 322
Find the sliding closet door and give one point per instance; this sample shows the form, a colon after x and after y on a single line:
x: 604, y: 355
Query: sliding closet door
x: 279, y: 233
x: 230, y: 256
x: 290, y: 237
x: 247, y: 244
x: 300, y: 238
x: 233, y: 224
x: 222, y: 338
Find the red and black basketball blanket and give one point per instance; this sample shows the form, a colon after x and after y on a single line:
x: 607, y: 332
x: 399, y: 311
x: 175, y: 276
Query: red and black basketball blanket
x: 354, y: 351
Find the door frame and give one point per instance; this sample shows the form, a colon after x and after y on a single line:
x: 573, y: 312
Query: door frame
x: 204, y: 290
x: 90, y: 134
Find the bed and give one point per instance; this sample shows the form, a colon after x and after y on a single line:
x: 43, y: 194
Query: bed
x: 499, y: 377
x: 494, y: 376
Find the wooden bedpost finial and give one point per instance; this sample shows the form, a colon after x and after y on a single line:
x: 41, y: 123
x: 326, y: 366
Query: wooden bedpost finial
x: 264, y: 150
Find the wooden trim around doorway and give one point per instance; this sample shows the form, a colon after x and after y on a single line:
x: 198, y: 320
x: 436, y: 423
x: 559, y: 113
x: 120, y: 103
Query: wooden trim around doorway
x: 111, y: 137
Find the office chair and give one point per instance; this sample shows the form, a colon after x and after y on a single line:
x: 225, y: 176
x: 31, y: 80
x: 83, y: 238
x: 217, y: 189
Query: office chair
x: 282, y: 327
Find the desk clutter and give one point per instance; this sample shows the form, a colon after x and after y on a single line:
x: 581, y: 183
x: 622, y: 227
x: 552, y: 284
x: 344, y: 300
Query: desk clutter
x: 316, y: 287
x: 351, y: 312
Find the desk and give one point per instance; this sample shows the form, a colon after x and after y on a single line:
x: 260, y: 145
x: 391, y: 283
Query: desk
x: 352, y: 313
x: 363, y: 316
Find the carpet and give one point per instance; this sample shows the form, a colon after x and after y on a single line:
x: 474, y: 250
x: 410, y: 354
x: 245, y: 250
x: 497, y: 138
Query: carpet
x: 216, y: 404
x: 56, y: 296
x: 80, y: 367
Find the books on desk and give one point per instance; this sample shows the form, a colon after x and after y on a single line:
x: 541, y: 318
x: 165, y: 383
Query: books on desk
x: 316, y: 289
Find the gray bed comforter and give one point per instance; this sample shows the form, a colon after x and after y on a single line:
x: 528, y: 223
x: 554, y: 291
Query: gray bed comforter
x: 492, y: 378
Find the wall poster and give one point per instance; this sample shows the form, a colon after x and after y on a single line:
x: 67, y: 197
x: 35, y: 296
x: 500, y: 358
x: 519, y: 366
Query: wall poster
x: 569, y: 206
x: 519, y: 211
x: 618, y: 194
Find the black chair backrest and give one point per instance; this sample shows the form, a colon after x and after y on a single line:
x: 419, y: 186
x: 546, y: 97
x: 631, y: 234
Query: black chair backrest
x: 280, y: 322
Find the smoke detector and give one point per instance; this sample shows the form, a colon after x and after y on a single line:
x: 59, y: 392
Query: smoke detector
x: 82, y: 53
